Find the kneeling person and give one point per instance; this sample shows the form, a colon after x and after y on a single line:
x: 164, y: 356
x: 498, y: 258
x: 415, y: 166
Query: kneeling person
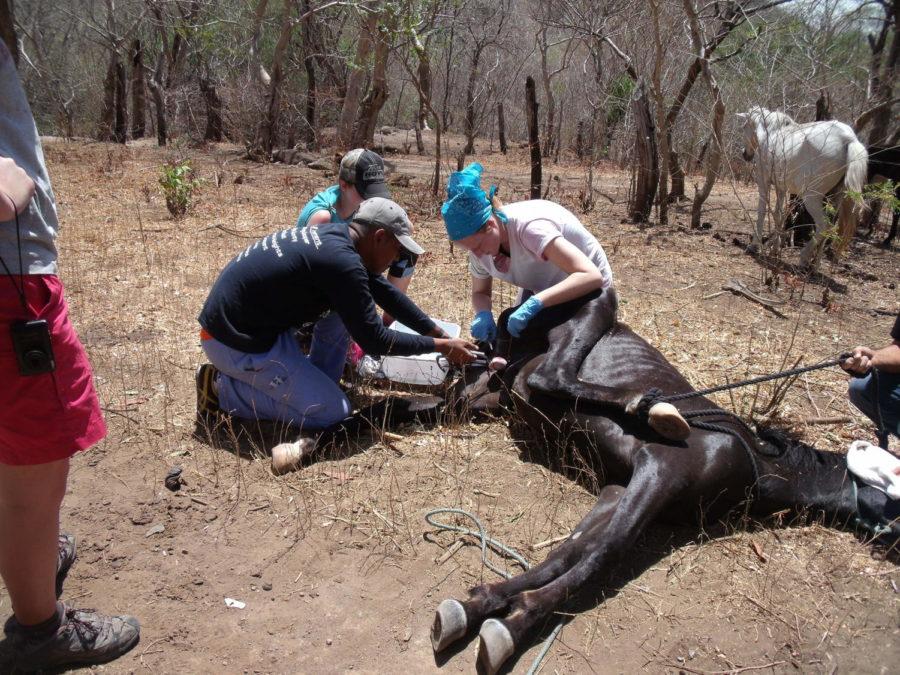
x: 329, y: 274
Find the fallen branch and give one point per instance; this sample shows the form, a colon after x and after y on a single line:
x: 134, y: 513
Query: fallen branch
x: 549, y: 542
x: 737, y: 287
x: 840, y: 419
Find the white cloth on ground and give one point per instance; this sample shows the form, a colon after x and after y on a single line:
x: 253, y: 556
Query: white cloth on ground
x: 875, y: 466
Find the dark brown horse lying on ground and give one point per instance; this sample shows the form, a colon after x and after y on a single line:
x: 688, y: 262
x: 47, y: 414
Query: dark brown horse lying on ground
x: 574, y: 387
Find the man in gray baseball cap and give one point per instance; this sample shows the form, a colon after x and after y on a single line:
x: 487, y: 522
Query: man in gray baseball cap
x: 330, y: 275
x: 381, y: 212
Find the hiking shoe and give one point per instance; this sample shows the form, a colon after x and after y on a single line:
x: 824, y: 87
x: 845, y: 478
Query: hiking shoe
x: 67, y: 555
x: 83, y: 638
x: 288, y: 457
x: 207, y: 398
x: 665, y: 420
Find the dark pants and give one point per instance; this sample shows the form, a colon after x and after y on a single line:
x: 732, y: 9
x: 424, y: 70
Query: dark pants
x: 877, y: 395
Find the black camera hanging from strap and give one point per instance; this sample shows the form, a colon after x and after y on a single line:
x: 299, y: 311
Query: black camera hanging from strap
x: 30, y: 337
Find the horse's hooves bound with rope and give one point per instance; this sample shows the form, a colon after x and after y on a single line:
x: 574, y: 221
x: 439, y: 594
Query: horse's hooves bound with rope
x: 585, y: 381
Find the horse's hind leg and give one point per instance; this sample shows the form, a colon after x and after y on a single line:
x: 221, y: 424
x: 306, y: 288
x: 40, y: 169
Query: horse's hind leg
x: 557, y: 375
x: 810, y: 253
x: 656, y: 482
x: 454, y: 618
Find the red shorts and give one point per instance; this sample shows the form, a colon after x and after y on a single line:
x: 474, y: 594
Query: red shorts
x: 44, y: 418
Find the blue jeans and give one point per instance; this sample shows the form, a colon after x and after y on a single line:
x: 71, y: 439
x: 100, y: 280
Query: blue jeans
x: 284, y: 384
x: 878, y: 397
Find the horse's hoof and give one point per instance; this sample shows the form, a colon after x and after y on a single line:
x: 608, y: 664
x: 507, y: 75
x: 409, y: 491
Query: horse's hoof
x: 497, y: 363
x: 495, y: 645
x: 287, y: 457
x: 449, y: 624
x: 665, y: 420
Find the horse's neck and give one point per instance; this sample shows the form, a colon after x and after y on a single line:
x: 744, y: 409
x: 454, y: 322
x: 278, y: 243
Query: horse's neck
x: 805, y: 478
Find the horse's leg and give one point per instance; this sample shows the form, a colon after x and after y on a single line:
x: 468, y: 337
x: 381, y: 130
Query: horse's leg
x: 810, y: 253
x: 762, y: 206
x: 570, y: 344
x: 454, y: 618
x: 657, y: 481
x: 778, y: 227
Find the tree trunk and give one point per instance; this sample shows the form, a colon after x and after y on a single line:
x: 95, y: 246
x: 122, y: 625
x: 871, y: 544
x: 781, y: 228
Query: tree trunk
x: 309, y: 64
x: 364, y: 129
x: 138, y: 91
x: 534, y: 142
x: 215, y: 128
x: 356, y: 81
x: 501, y: 127
x: 446, y: 114
x: 883, y: 89
x: 550, y: 129
x: 676, y: 172
x: 424, y: 72
x: 662, y: 127
x: 267, y: 133
x: 469, y: 122
x: 647, y: 167
x: 823, y: 106
x: 120, y: 130
x: 159, y: 102
x: 8, y: 28
x: 715, y: 155
x: 108, y: 113
x: 715, y: 143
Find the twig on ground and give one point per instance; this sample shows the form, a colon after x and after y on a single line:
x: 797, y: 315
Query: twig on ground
x: 549, y: 542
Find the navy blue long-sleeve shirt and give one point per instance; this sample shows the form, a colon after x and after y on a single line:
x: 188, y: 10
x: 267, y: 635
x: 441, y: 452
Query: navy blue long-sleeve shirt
x: 296, y: 276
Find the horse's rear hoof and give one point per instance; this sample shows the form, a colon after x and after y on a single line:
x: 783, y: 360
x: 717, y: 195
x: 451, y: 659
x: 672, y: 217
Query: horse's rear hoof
x: 665, y: 420
x: 449, y: 624
x: 495, y: 646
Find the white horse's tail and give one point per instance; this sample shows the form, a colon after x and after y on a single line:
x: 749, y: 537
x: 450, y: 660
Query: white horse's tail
x: 852, y: 205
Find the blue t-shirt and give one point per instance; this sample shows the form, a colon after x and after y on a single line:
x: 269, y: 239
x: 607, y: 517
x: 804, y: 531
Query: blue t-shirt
x: 323, y: 201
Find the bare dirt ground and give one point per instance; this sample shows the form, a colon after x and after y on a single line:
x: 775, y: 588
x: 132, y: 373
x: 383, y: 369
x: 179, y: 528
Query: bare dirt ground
x: 335, y: 563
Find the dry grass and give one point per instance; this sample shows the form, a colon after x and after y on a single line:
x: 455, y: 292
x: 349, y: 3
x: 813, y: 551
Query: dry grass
x: 343, y: 541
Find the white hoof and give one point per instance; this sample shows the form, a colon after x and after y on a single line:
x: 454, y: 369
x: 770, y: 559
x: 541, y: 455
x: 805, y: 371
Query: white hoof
x: 495, y: 646
x: 288, y: 456
x: 665, y: 420
x: 449, y: 624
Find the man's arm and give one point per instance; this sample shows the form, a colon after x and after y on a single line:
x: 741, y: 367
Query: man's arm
x: 16, y: 189
x: 401, y: 307
x: 886, y: 359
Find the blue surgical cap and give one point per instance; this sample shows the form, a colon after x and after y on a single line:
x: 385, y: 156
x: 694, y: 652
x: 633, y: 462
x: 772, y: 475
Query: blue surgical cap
x: 467, y: 207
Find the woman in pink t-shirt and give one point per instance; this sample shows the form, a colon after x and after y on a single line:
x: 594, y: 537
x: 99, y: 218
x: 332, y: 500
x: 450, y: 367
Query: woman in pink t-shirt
x: 537, y: 245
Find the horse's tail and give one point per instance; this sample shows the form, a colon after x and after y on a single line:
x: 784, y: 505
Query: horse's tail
x: 852, y: 205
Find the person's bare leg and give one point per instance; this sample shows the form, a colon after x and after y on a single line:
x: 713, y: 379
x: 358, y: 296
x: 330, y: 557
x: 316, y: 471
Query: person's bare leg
x: 30, y: 498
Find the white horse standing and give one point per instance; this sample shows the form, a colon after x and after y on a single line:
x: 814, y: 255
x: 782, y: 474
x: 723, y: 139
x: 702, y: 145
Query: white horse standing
x: 809, y: 160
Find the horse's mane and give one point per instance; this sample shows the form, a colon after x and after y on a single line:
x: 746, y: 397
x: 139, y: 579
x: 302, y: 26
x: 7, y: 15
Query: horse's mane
x: 771, y: 119
x: 792, y: 453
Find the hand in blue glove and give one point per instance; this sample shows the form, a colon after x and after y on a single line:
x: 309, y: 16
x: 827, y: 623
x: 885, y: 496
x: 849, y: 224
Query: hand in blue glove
x: 483, y: 327
x: 526, y: 312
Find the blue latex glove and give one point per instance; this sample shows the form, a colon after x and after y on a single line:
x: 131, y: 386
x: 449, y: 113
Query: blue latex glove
x: 520, y: 318
x: 483, y: 327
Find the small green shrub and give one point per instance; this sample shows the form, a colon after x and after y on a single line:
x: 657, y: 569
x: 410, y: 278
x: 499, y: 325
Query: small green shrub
x: 179, y: 186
